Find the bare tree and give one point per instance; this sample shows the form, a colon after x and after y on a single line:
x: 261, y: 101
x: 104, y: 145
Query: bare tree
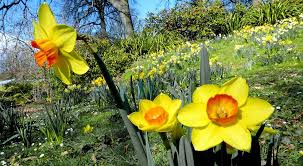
x: 123, y: 7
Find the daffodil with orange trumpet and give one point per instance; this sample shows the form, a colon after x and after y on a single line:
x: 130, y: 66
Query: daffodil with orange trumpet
x: 56, y: 43
x: 159, y: 115
x: 224, y: 114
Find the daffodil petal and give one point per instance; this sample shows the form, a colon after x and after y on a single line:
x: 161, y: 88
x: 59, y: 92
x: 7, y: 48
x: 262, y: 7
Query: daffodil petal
x: 77, y: 63
x: 255, y: 111
x: 204, y: 92
x: 206, y: 137
x: 163, y: 100
x: 136, y: 118
x: 194, y: 115
x: 237, y: 88
x: 236, y: 136
x: 173, y: 108
x: 64, y: 37
x: 62, y: 71
x: 39, y: 32
x: 146, y: 105
x: 46, y: 18
x: 168, y: 126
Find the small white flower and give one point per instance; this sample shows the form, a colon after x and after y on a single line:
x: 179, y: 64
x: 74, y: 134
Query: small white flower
x: 1, y: 153
x: 35, y: 149
x: 3, y: 162
x: 61, y: 145
x: 41, y: 155
x: 40, y: 144
x: 33, y: 144
x: 278, y: 107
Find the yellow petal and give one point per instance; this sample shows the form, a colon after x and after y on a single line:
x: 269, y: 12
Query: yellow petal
x: 237, y: 88
x: 39, y: 32
x: 46, y: 18
x: 205, y: 138
x: 168, y: 126
x: 236, y: 136
x: 204, y: 92
x: 194, y: 115
x: 255, y: 111
x: 146, y: 105
x: 136, y: 118
x: 163, y: 100
x: 62, y: 71
x: 77, y: 63
x: 173, y: 108
x: 64, y: 37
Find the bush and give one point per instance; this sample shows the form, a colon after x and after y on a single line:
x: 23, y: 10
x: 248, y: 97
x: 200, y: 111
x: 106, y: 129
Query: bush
x: 191, y: 21
x: 118, y: 55
x: 272, y: 11
x: 204, y: 20
x: 16, y: 94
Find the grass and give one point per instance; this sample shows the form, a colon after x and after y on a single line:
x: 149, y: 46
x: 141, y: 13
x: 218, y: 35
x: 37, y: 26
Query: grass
x: 107, y: 144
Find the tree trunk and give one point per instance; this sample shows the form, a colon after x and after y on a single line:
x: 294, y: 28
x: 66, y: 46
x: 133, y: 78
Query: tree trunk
x: 100, y: 5
x: 123, y: 7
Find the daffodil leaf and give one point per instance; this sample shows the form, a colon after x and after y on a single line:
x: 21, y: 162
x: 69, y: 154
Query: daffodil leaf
x: 77, y: 64
x: 46, y: 18
x: 64, y: 37
x: 62, y: 71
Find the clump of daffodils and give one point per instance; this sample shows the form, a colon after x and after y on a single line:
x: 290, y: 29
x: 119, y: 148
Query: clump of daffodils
x: 217, y: 114
x: 99, y: 81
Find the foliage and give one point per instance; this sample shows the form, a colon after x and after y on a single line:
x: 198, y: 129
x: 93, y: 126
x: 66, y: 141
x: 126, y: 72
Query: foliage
x: 203, y: 19
x: 16, y: 94
x: 192, y: 22
x: 9, y: 117
x: 56, y: 121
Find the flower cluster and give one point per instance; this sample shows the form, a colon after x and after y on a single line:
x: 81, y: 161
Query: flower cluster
x: 217, y: 114
x: 99, y: 81
x: 159, y: 63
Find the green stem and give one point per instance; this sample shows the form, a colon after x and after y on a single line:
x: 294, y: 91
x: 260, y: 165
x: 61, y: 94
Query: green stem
x: 132, y: 130
x: 165, y: 140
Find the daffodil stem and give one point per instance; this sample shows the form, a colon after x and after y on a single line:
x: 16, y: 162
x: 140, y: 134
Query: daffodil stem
x: 165, y: 140
x: 123, y: 108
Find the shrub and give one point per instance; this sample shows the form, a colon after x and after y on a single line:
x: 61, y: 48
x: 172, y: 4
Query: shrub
x: 15, y: 94
x: 191, y: 21
x: 204, y: 19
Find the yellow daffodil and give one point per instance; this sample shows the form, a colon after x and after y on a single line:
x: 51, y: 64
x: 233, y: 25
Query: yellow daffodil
x: 56, y: 43
x: 99, y: 81
x: 88, y: 129
x: 224, y: 113
x: 159, y: 115
x: 301, y: 152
